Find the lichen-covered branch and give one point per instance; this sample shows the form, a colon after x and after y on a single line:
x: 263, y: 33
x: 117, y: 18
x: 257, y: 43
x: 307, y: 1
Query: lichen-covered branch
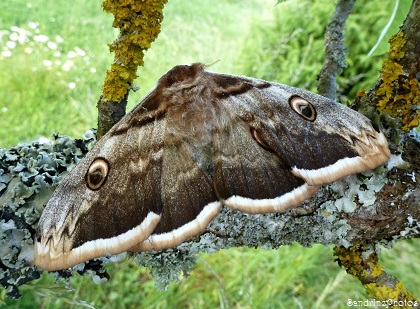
x: 362, y: 263
x: 368, y: 220
x: 28, y: 175
x: 397, y: 91
x: 335, y: 51
x: 396, y: 95
x: 139, y: 24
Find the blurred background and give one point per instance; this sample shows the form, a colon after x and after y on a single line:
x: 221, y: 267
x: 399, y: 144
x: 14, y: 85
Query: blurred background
x: 53, y: 58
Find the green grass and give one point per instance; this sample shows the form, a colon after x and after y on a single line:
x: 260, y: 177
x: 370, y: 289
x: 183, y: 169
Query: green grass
x: 291, y: 277
x: 36, y: 100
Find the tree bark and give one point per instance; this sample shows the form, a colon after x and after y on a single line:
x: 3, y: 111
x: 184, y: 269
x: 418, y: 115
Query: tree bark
x: 335, y: 50
x: 139, y: 24
x: 396, y: 94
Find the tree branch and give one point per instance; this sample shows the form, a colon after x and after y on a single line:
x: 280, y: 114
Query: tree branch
x: 335, y: 51
x: 139, y: 25
x: 363, y: 263
x: 396, y: 95
x: 397, y: 90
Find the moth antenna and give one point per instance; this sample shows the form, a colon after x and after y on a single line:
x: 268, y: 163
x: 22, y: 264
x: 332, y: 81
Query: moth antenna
x: 211, y: 64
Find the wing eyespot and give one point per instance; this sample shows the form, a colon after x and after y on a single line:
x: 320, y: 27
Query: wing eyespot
x: 303, y: 108
x: 97, y: 174
x: 259, y: 139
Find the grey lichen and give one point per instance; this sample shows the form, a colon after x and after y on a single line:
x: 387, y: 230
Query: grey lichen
x: 361, y: 188
x: 412, y: 228
x: 28, y: 175
x: 233, y: 228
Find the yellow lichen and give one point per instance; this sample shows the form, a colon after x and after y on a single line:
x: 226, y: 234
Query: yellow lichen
x: 398, y: 92
x: 350, y: 259
x: 397, y: 296
x: 139, y: 23
x: 375, y: 268
x: 370, y: 272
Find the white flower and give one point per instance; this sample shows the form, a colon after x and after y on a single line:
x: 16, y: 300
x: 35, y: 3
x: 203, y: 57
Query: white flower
x: 14, y: 36
x: 6, y: 53
x: 41, y: 38
x: 72, y: 85
x: 33, y: 25
x: 92, y: 70
x: 16, y: 29
x: 28, y: 50
x: 59, y: 39
x: 52, y: 45
x: 19, y: 34
x: 80, y: 51
x: 10, y: 44
x: 67, y: 65
x: 71, y: 54
x: 47, y: 63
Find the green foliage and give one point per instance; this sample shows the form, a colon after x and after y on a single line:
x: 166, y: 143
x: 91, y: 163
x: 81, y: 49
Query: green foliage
x: 245, y: 278
x: 37, y: 100
x: 291, y: 277
x: 398, y: 15
x: 52, y: 66
x: 291, y: 49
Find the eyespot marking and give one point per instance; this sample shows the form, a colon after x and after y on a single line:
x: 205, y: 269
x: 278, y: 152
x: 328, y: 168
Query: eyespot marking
x: 97, y: 174
x: 258, y: 138
x: 303, y: 108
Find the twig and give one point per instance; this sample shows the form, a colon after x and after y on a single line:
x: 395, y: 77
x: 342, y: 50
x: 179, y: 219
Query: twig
x: 335, y: 51
x: 363, y: 264
x: 139, y: 24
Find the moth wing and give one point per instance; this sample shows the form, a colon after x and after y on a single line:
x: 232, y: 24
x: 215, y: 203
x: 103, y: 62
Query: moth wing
x: 199, y: 139
x: 337, y: 142
x: 79, y: 224
x: 188, y: 197
x: 253, y: 179
x: 291, y: 155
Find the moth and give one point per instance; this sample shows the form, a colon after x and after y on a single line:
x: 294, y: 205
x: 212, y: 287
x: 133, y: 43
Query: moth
x: 200, y: 140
